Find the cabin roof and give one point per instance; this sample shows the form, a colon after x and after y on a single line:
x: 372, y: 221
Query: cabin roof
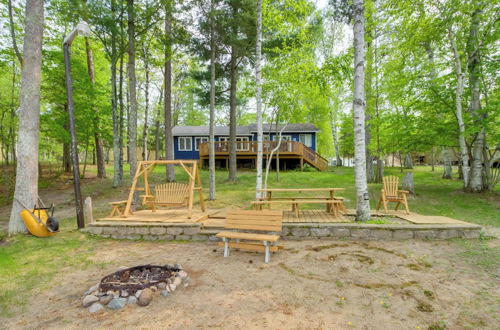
x: 242, y: 130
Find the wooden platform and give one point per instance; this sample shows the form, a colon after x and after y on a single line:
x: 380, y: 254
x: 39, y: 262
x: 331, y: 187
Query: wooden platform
x: 168, y: 215
x: 414, y: 217
x: 305, y: 216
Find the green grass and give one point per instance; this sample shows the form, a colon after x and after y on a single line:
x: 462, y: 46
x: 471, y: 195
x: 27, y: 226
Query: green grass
x: 28, y: 263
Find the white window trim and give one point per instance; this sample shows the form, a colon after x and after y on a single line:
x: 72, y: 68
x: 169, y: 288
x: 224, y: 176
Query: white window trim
x: 186, y: 138
x: 201, y: 138
x: 304, y: 137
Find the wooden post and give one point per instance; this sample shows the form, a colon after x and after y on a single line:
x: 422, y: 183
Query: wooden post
x: 198, y: 181
x: 301, y: 163
x: 132, y: 189
x: 88, y: 210
x: 191, y: 191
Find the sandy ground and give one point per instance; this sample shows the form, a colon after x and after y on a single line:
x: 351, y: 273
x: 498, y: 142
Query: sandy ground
x: 309, y: 285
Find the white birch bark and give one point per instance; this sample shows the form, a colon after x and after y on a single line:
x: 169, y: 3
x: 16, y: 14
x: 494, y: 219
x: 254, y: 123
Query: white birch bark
x: 211, y: 151
x: 459, y: 90
x: 26, y: 189
x: 363, y: 203
x: 258, y: 97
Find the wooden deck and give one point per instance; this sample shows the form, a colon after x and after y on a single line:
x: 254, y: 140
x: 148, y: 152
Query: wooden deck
x: 217, y: 220
x: 169, y: 215
x: 287, y: 150
x: 414, y: 217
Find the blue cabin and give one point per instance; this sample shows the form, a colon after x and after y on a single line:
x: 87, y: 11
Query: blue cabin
x: 298, y: 145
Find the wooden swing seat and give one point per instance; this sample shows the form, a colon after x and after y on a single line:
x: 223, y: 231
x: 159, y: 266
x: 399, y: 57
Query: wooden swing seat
x: 167, y: 194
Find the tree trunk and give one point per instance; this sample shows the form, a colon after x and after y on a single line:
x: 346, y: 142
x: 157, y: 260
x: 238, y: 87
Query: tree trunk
x: 101, y: 168
x: 459, y: 90
x: 474, y: 66
x: 446, y: 163
x: 116, y: 135
x: 157, y: 126
x: 132, y: 119
x: 408, y: 183
x: 379, y: 174
x: 232, y: 115
x: 26, y: 188
x: 333, y: 124
x: 169, y: 139
x: 258, y: 97
x: 433, y: 158
x: 363, y: 202
x: 408, y: 161
x: 211, y: 151
x: 121, y: 156
x: 146, y: 108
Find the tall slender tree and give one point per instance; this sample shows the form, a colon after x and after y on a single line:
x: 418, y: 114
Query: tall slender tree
x: 363, y: 202
x: 26, y: 190
x: 132, y: 81
x: 211, y: 153
x: 169, y: 138
x: 258, y: 98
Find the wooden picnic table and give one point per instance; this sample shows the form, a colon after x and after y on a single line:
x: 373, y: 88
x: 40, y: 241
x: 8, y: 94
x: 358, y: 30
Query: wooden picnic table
x: 269, y: 192
x: 329, y: 207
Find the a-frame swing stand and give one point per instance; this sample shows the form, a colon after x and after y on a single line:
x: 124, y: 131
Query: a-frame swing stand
x: 144, y: 168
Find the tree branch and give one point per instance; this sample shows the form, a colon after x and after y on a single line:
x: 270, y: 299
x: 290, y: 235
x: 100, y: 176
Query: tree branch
x: 13, y: 34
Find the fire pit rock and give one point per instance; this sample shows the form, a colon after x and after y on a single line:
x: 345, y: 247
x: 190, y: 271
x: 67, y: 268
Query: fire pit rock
x: 134, y: 286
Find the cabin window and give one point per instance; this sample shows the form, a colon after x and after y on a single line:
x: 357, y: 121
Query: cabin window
x: 198, y: 140
x: 185, y: 144
x: 306, y: 139
x: 283, y: 137
x: 242, y: 146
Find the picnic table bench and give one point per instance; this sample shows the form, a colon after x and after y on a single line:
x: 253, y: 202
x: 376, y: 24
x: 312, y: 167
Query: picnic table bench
x: 332, y: 205
x: 256, y: 221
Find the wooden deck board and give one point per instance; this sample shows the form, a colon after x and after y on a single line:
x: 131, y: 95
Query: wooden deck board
x: 169, y: 215
x: 414, y: 217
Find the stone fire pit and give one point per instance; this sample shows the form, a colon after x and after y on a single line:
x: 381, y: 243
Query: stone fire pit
x: 134, y: 286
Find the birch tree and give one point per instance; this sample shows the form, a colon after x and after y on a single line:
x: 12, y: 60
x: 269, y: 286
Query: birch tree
x: 258, y: 98
x: 211, y: 152
x: 362, y: 204
x: 26, y: 189
x: 459, y: 90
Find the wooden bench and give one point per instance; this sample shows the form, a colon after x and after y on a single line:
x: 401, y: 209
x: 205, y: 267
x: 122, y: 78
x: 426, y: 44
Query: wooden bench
x: 259, y: 221
x: 118, y: 208
x: 332, y: 205
x: 167, y: 194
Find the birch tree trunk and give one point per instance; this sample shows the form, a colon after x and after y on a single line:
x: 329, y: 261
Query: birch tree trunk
x: 459, y: 90
x: 26, y: 189
x: 473, y: 59
x: 169, y: 139
x: 446, y: 163
x: 211, y: 151
x: 333, y: 124
x: 363, y: 203
x: 232, y: 116
x: 258, y: 98
x: 132, y: 118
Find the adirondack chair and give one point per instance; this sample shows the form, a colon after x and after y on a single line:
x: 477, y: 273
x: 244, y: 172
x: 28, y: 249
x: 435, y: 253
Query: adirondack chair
x: 391, y: 193
x: 168, y: 194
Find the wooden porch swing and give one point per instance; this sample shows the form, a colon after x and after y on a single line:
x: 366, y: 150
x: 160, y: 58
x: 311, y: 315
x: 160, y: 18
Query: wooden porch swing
x: 165, y: 194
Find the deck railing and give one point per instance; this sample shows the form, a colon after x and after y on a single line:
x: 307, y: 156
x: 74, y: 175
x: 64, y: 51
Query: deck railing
x: 285, y: 148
